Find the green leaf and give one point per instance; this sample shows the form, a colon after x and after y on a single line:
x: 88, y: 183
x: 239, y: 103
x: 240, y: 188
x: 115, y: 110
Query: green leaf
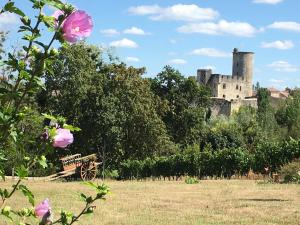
x: 90, y: 184
x: 83, y: 197
x: 6, y: 212
x: 49, y: 21
x: 4, y: 193
x: 14, y: 135
x: 90, y: 210
x: 24, y: 75
x: 55, y: 3
x: 71, y: 128
x: 10, y: 7
x: 47, y: 116
x: 27, y: 193
x: 22, y: 172
x: 89, y: 200
x: 43, y: 161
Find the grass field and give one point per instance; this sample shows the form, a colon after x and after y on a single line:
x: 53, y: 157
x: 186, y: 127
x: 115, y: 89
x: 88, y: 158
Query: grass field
x: 176, y: 203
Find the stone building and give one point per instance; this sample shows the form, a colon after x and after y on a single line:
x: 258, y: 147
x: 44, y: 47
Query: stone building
x: 230, y: 92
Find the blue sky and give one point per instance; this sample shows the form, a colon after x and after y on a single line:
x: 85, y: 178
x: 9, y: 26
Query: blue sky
x: 200, y: 34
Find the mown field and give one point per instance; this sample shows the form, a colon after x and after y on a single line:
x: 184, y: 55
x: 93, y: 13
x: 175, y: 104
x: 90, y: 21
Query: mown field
x: 214, y: 202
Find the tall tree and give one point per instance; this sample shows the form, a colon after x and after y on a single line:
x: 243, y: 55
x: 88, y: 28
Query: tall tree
x: 187, y: 104
x: 111, y: 102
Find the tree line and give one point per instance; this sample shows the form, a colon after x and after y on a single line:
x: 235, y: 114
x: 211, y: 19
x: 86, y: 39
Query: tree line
x: 137, y: 124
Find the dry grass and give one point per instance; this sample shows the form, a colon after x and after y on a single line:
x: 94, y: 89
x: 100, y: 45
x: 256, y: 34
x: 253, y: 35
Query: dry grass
x: 176, y: 203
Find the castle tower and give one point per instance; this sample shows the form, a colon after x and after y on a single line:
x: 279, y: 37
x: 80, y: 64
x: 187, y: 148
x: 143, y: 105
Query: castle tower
x: 203, y: 75
x: 242, y: 65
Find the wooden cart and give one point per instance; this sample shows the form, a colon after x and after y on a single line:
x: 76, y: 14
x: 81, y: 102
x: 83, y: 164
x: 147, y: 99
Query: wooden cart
x: 84, y: 167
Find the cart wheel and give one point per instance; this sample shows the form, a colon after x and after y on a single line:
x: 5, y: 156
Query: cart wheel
x: 88, y: 171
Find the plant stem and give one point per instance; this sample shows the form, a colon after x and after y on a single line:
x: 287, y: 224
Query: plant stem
x: 11, y: 193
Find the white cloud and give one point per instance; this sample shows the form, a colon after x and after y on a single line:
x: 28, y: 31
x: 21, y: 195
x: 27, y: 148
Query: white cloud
x: 282, y: 45
x: 283, y: 66
x: 135, y: 30
x: 177, y: 61
x: 275, y: 81
x: 132, y: 59
x: 272, y: 2
x: 7, y: 19
x: 210, y: 52
x: 289, y: 25
x: 145, y: 10
x: 175, y: 12
x: 223, y: 27
x: 110, y: 32
x: 124, y: 43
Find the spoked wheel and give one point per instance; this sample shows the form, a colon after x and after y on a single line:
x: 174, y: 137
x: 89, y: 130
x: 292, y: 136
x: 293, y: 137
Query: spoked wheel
x: 88, y: 171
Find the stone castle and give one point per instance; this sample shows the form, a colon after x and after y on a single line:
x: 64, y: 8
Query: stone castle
x: 230, y: 92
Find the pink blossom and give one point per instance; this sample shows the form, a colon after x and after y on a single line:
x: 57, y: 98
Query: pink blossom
x: 78, y: 25
x: 62, y: 138
x: 43, y: 208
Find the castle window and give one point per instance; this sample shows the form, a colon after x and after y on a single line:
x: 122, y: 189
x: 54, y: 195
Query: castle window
x: 240, y: 88
x: 237, y: 87
x: 224, y: 96
x: 237, y: 96
x: 224, y: 86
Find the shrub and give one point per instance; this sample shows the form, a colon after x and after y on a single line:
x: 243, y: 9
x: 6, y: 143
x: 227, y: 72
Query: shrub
x: 111, y: 174
x: 291, y: 172
x: 191, y: 180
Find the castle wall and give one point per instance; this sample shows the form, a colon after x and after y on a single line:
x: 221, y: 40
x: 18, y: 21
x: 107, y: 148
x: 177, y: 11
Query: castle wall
x: 229, y: 87
x: 238, y: 103
x: 220, y: 107
x: 227, y: 108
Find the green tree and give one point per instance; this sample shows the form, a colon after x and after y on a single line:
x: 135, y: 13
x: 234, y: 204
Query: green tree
x: 266, y: 116
x: 288, y: 115
x: 187, y: 104
x: 111, y: 102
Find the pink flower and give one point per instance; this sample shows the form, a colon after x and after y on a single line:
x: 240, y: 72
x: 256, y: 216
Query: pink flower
x: 62, y: 138
x: 76, y: 26
x: 43, y: 208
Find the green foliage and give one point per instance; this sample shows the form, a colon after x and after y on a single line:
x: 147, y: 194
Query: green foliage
x: 191, y: 180
x: 111, y: 174
x: 24, y: 140
x: 187, y: 104
x: 112, y: 103
x: 288, y: 115
x: 191, y: 162
x: 224, y: 162
x: 291, y: 172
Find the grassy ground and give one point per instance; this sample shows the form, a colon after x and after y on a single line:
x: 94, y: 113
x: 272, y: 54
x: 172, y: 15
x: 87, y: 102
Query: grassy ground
x: 176, y: 203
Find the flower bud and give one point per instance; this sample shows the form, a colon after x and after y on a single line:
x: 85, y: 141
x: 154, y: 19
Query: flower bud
x: 26, y: 158
x: 53, y: 52
x: 6, y: 210
x: 35, y: 50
